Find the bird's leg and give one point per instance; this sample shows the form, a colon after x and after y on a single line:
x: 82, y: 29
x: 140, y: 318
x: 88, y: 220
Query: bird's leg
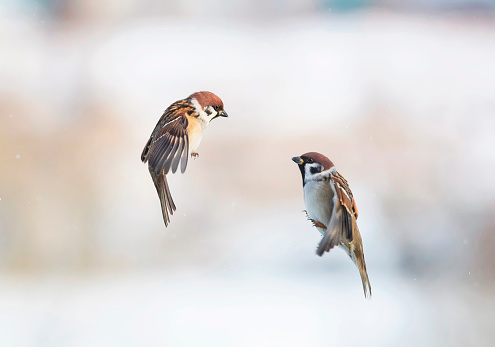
x: 318, y: 224
x: 315, y: 222
x: 194, y: 155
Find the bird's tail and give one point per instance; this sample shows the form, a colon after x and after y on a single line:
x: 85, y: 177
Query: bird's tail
x: 361, y: 265
x: 353, y: 244
x: 356, y: 253
x: 166, y: 201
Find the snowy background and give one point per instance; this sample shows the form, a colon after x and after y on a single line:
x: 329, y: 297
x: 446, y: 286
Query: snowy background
x: 400, y: 95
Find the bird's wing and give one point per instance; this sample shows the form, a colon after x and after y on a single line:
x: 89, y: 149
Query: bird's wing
x: 342, y: 228
x: 341, y: 225
x: 349, y: 235
x: 169, y: 143
x: 168, y: 146
x: 346, y: 200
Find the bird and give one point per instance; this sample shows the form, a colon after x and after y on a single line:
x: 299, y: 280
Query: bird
x: 176, y: 137
x: 332, y: 209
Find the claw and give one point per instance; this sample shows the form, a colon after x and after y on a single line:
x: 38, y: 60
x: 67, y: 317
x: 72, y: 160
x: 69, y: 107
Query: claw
x: 318, y: 224
x: 194, y: 155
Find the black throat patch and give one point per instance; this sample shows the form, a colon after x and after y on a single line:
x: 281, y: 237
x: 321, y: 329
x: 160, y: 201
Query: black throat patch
x: 303, y: 172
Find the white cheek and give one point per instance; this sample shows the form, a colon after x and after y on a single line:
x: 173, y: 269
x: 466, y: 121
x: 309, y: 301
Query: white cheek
x: 308, y: 175
x: 308, y: 171
x: 205, y: 117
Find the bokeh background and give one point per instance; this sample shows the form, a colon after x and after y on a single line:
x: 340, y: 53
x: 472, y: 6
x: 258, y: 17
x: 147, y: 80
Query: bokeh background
x: 399, y: 94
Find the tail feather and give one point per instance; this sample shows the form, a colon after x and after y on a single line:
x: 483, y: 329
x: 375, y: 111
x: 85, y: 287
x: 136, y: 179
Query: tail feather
x: 356, y: 253
x: 336, y: 235
x: 166, y: 201
x: 361, y: 264
x: 357, y: 256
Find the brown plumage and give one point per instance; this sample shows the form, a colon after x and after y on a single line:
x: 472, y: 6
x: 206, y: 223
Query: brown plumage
x: 176, y: 136
x: 332, y: 209
x: 207, y: 98
x: 318, y: 158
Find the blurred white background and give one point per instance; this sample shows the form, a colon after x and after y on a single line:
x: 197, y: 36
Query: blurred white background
x: 399, y: 94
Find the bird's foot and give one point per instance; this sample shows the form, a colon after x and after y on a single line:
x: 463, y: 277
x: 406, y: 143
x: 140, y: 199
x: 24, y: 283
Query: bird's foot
x: 318, y: 224
x: 195, y: 155
x: 315, y: 222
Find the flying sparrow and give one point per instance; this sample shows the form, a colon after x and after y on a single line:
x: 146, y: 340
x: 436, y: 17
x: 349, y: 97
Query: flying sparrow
x: 176, y: 137
x: 332, y: 209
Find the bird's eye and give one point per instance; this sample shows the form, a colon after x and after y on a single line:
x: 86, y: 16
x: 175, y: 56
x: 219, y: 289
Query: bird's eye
x: 216, y: 108
x: 309, y: 160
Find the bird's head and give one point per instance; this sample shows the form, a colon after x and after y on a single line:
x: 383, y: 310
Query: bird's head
x: 208, y: 105
x: 312, y: 164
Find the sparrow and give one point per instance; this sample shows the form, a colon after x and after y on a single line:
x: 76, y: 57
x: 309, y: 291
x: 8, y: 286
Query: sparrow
x: 331, y: 207
x: 177, y: 136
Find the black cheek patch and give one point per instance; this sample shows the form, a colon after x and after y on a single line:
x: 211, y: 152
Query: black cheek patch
x: 314, y: 170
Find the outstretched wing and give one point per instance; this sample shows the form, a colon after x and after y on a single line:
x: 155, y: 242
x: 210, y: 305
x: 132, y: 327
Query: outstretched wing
x: 168, y: 146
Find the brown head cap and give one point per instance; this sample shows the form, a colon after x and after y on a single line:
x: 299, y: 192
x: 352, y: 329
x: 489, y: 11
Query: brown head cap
x: 207, y: 99
x: 319, y: 158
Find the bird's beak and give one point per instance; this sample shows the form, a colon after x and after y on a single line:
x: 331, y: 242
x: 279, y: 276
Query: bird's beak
x: 220, y: 113
x: 298, y: 160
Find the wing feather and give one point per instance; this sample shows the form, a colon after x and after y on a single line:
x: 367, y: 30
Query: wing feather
x: 178, y: 155
x: 350, y: 236
x: 160, y: 152
x: 346, y: 199
x: 173, y: 154
x: 185, y: 154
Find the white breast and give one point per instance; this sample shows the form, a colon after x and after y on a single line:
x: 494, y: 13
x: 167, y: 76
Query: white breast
x: 319, y: 201
x: 194, y: 141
